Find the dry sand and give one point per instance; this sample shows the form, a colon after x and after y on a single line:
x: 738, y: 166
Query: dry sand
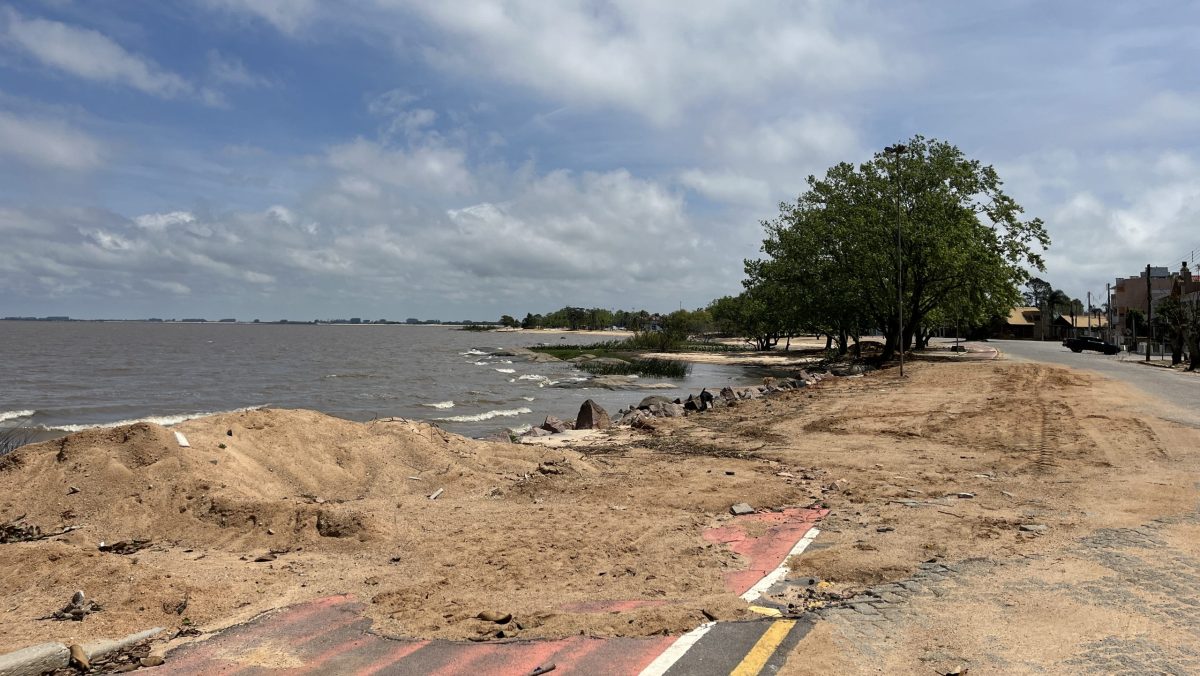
x: 533, y: 531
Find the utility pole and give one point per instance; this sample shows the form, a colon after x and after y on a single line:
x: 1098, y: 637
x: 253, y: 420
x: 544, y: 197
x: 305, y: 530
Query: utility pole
x: 1149, y: 313
x: 1089, y: 310
x: 897, y: 149
x: 1108, y: 311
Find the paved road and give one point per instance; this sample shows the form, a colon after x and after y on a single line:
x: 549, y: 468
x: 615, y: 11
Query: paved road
x: 1181, y: 391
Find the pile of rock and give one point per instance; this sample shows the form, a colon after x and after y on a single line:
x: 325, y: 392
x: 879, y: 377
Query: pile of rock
x: 662, y: 407
x: 591, y: 416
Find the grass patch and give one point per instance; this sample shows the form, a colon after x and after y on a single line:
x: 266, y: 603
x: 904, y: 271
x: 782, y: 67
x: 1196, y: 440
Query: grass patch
x: 661, y: 368
x: 477, y: 327
x: 693, y: 346
x: 609, y: 348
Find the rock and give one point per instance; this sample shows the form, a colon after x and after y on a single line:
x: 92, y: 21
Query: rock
x: 884, y: 529
x: 79, y: 657
x: 151, y: 661
x: 537, y: 432
x: 728, y: 394
x: 964, y: 496
x: 71, y: 490
x: 592, y: 417
x: 652, y: 400
x: 547, y: 468
x: 1033, y: 528
x: 554, y: 425
x: 741, y: 509
x: 838, y: 486
x: 494, y: 616
x: 692, y: 404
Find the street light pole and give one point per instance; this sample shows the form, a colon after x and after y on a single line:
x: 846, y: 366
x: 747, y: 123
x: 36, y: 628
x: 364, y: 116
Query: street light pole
x: 897, y: 150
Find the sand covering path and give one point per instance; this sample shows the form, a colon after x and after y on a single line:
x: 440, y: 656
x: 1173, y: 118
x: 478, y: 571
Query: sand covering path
x: 271, y: 507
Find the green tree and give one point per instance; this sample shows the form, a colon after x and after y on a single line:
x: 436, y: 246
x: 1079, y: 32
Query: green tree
x: 833, y: 253
x: 508, y: 321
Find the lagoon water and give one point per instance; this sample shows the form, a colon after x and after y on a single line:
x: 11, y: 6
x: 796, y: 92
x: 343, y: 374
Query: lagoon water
x: 72, y: 375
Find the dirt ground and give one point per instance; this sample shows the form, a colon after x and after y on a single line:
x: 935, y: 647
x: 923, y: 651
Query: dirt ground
x: 945, y: 465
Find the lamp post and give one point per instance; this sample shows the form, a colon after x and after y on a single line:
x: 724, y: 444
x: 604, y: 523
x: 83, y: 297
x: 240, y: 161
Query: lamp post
x: 897, y: 150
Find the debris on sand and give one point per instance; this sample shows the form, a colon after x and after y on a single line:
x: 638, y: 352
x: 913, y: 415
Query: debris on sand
x: 78, y: 608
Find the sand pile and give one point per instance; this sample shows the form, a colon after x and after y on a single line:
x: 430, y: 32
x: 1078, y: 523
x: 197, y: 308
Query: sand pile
x: 270, y: 507
x: 300, y: 474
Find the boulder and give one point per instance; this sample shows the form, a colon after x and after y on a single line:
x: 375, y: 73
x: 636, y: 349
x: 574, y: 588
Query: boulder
x: 673, y: 410
x: 728, y: 394
x: 653, y: 400
x: 554, y: 425
x: 592, y: 417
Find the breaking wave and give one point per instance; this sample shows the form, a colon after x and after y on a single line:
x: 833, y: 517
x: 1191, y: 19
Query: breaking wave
x: 440, y: 404
x: 164, y: 420
x: 15, y: 415
x: 480, y: 417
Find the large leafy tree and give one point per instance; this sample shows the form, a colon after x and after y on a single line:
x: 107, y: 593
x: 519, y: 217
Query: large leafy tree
x: 962, y: 243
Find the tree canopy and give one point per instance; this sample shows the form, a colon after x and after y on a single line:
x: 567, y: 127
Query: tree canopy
x: 831, y: 257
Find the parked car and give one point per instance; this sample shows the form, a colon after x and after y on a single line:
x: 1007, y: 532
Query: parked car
x: 1090, y: 343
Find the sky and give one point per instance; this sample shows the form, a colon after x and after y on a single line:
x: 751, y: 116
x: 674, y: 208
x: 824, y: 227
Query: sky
x: 460, y: 159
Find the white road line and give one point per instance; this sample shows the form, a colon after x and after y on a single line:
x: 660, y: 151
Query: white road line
x: 678, y: 649
x: 778, y: 574
x: 684, y: 643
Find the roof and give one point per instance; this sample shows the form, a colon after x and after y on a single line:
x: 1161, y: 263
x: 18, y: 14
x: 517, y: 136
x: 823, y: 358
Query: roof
x: 1081, y: 321
x: 1020, y: 316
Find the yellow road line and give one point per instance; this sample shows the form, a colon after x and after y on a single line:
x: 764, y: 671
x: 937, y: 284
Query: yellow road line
x: 757, y: 658
x: 769, y: 612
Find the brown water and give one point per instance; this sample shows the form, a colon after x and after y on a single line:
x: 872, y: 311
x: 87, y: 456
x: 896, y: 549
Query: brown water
x: 70, y: 375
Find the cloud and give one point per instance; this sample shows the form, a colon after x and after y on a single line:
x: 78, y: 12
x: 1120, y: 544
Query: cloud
x: 288, y: 16
x: 90, y: 55
x: 655, y: 59
x: 229, y: 70
x: 434, y: 167
x: 48, y: 144
x: 1110, y: 215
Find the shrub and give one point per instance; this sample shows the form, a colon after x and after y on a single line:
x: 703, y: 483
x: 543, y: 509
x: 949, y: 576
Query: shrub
x: 661, y: 368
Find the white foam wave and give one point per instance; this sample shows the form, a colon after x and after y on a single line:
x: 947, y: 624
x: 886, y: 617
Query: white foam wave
x: 472, y: 352
x: 480, y: 417
x: 164, y: 420
x: 480, y: 363
x: 14, y: 415
x: 532, y: 376
x: 528, y: 398
x: 506, y: 370
x: 440, y: 404
x: 520, y: 429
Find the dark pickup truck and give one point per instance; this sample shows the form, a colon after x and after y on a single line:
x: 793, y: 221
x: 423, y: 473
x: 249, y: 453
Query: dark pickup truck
x: 1090, y: 343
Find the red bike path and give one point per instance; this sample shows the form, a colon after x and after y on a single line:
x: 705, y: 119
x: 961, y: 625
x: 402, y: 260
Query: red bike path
x: 331, y: 635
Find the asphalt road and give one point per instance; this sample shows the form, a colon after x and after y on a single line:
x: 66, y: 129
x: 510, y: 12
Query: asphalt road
x: 1179, y: 393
